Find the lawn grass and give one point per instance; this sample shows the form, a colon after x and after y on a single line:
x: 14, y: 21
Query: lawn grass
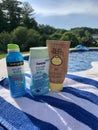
x: 3, y: 55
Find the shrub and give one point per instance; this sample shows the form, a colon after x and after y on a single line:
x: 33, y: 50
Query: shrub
x: 55, y: 36
x: 5, y: 38
x: 25, y: 38
x: 33, y: 39
x: 70, y: 37
x: 19, y: 36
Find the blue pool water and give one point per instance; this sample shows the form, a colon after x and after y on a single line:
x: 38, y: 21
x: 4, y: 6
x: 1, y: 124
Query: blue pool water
x: 79, y: 61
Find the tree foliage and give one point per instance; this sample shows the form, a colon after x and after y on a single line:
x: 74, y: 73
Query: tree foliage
x: 27, y: 16
x: 5, y: 38
x: 25, y: 38
x: 3, y: 20
x: 18, y: 25
x: 68, y: 36
x: 19, y: 36
x: 16, y: 14
x: 13, y: 12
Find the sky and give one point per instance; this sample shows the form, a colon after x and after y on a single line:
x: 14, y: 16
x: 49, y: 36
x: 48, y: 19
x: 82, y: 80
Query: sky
x: 66, y: 14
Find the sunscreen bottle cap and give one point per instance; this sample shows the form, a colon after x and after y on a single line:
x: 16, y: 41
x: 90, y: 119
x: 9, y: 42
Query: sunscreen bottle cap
x: 13, y: 47
x: 39, y: 52
x: 56, y: 86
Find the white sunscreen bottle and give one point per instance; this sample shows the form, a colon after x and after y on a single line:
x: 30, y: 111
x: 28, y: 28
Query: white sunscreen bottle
x: 39, y: 66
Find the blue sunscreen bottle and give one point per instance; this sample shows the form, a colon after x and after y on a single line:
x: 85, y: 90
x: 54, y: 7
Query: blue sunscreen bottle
x: 15, y: 68
x: 39, y: 66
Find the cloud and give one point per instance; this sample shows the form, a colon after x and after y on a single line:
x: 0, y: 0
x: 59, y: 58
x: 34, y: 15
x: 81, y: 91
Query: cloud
x: 65, y: 7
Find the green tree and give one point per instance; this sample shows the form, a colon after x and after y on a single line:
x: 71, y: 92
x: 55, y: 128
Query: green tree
x: 55, y: 36
x: 3, y: 20
x: 25, y: 38
x: 27, y: 16
x: 88, y: 35
x: 33, y: 39
x: 60, y: 31
x: 45, y: 31
x: 79, y: 32
x: 19, y: 36
x: 5, y: 39
x: 71, y: 37
x: 13, y: 12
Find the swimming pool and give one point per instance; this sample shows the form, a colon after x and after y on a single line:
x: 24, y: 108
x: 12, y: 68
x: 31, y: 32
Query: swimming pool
x: 80, y: 60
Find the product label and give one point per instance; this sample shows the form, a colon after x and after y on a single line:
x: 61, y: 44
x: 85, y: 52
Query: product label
x: 57, y: 51
x: 15, y: 71
x: 16, y: 76
x: 58, y: 62
x: 40, y: 78
x: 10, y: 64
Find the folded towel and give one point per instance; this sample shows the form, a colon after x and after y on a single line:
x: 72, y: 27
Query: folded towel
x: 74, y: 108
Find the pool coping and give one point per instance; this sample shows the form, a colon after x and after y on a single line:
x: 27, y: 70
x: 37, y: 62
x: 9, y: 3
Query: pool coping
x: 90, y: 49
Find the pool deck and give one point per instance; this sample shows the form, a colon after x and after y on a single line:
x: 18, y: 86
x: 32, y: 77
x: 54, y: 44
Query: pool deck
x: 90, y: 73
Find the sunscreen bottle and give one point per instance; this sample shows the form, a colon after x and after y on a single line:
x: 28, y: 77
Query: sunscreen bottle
x: 58, y: 53
x: 39, y: 66
x: 15, y: 68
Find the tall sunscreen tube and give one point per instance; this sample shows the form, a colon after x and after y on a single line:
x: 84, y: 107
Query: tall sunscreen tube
x: 39, y: 66
x: 58, y: 53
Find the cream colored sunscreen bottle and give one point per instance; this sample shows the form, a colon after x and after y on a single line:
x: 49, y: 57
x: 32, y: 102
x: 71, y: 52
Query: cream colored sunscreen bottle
x: 39, y: 66
x: 58, y: 53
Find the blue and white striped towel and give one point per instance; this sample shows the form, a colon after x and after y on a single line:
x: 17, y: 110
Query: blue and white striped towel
x: 75, y: 108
